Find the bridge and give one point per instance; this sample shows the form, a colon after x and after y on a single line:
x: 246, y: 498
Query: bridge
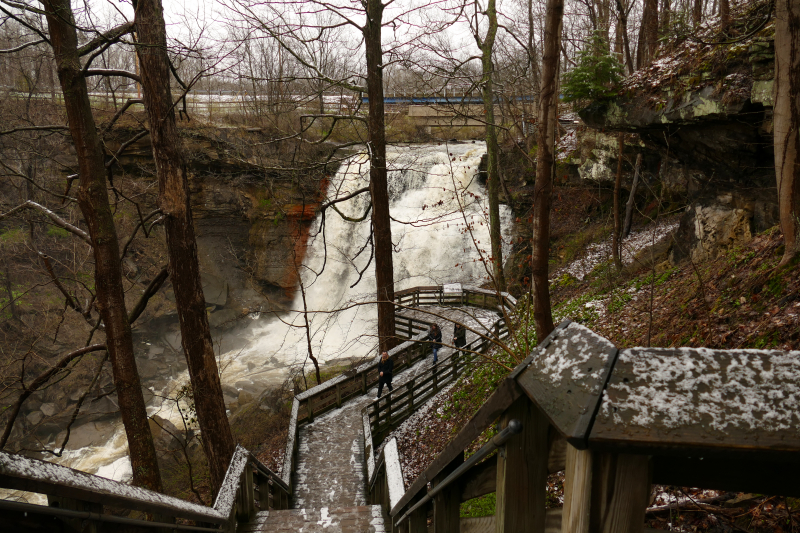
x: 615, y: 420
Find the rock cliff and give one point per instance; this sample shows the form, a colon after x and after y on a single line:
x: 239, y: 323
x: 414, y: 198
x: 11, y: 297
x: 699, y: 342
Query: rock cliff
x: 704, y: 110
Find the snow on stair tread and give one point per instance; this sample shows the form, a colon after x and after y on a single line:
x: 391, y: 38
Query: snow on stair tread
x: 360, y: 519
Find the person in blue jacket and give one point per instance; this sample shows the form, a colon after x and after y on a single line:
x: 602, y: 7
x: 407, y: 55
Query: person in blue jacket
x: 435, y: 335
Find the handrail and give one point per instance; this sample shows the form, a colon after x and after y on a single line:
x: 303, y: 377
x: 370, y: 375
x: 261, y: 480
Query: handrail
x: 334, y: 392
x: 514, y: 427
x: 33, y: 475
x: 236, y: 500
x: 412, y: 394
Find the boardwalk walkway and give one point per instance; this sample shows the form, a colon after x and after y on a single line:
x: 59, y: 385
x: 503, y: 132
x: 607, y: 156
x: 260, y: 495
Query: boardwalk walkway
x: 330, y: 479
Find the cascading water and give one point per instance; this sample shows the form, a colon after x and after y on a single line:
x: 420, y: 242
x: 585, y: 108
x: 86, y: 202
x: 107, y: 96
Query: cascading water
x: 434, y: 194
x: 440, y: 224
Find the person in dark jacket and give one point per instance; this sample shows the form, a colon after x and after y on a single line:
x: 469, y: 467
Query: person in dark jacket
x: 435, y: 335
x: 385, y: 367
x: 459, y: 336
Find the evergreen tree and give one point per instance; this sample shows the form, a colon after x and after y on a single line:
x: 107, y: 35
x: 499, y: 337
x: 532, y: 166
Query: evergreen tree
x: 596, y: 75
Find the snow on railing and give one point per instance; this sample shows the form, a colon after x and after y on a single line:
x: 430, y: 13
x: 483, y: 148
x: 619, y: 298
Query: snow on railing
x: 236, y: 500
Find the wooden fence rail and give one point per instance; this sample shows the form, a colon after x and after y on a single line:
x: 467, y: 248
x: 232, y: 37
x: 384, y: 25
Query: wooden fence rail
x: 335, y: 392
x: 72, y: 495
x: 617, y: 421
x: 388, y: 412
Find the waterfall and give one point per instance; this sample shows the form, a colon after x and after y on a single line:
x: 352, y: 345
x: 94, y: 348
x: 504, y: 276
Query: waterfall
x: 434, y: 196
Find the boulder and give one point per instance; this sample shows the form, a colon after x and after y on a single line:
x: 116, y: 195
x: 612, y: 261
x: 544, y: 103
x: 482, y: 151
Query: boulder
x: 49, y: 409
x: 223, y: 317
x: 710, y: 228
x: 147, y: 368
x: 34, y: 417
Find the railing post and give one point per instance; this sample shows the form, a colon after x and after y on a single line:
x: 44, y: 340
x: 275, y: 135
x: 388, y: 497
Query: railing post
x: 310, y: 408
x: 418, y: 520
x: 245, y: 498
x: 447, y: 504
x: 338, y: 395
x: 410, y: 385
x: 364, y: 382
x: 620, y: 491
x: 577, y: 491
x: 454, y: 357
x: 435, y: 371
x: 522, y: 471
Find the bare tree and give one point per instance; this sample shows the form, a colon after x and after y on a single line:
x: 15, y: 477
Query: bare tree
x: 486, y: 45
x: 787, y: 121
x: 648, y: 34
x: 184, y: 268
x: 94, y: 203
x: 545, y: 168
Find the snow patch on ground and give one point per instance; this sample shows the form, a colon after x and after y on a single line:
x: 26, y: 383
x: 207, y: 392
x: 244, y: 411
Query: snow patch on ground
x: 633, y: 244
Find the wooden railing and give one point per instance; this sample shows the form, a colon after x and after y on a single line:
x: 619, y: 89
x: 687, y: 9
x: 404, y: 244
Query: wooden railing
x: 248, y: 487
x: 616, y: 421
x: 390, y: 411
x: 356, y: 382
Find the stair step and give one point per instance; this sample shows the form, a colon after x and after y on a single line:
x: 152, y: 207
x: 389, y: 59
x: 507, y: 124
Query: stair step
x: 363, y: 519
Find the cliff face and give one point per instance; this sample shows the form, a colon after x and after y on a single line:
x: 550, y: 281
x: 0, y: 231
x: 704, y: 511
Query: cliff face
x: 251, y: 218
x: 706, y: 109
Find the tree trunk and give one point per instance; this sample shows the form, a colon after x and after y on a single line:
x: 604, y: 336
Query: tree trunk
x: 724, y: 14
x: 626, y: 230
x: 492, y: 150
x: 93, y: 202
x: 12, y: 305
x: 623, y: 21
x: 183, y: 266
x: 534, y: 64
x: 787, y: 120
x: 648, y: 35
x: 615, y: 238
x: 545, y: 168
x: 378, y: 179
x: 697, y: 12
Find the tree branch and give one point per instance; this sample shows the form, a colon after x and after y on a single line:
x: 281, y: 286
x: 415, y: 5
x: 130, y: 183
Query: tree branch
x: 58, y: 221
x: 22, y: 47
x: 123, y: 146
x: 119, y: 113
x: 107, y: 37
x: 343, y: 198
x: 151, y: 289
x: 41, y: 380
x: 112, y: 72
x: 53, y: 127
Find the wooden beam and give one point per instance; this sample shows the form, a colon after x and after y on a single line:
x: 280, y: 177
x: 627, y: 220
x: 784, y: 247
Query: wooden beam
x: 447, y: 504
x: 577, y: 491
x: 620, y: 491
x: 522, y: 471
